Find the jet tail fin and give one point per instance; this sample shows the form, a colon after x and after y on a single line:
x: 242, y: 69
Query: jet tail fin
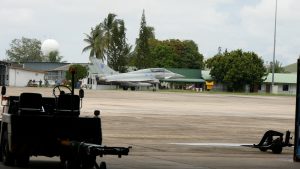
x: 98, y: 67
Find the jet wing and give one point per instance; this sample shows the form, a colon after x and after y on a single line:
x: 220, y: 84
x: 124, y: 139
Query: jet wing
x: 131, y: 78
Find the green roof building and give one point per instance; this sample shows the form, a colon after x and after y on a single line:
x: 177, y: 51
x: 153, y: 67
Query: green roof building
x: 287, y: 78
x: 285, y: 83
x: 192, y: 79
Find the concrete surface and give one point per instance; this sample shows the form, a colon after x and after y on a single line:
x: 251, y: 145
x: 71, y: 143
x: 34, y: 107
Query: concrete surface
x: 185, y: 130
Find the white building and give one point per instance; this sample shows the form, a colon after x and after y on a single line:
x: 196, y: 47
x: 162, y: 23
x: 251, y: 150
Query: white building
x: 284, y: 83
x: 19, y: 77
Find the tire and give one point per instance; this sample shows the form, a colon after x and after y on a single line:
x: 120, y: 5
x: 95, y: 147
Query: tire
x: 7, y: 157
x: 72, y: 164
x: 22, y: 160
x: 102, y: 165
x: 62, y: 160
x: 263, y: 149
x: 277, y: 146
x: 277, y: 149
x: 88, y: 162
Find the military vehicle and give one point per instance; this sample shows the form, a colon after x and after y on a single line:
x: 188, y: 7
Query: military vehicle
x: 33, y: 125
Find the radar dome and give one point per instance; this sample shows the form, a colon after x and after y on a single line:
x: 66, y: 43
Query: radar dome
x: 49, y: 45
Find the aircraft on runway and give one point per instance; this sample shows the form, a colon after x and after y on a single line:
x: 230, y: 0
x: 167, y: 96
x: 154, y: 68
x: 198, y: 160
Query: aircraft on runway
x: 140, y: 78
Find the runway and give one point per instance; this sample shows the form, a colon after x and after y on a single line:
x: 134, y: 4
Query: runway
x: 169, y: 130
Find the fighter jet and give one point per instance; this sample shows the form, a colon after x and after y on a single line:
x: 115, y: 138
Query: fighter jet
x: 140, y: 78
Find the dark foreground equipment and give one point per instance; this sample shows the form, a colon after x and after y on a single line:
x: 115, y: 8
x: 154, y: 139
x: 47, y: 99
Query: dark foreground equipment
x: 273, y: 140
x: 33, y: 125
x: 82, y: 154
x: 297, y: 117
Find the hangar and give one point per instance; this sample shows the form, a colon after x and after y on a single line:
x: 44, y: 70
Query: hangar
x: 192, y: 79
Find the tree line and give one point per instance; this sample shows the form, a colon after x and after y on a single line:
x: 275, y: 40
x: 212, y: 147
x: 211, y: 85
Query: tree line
x: 236, y: 69
x: 29, y: 50
x: 107, y: 41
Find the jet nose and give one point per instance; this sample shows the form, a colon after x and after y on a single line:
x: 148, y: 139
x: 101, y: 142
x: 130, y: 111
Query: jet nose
x: 178, y: 76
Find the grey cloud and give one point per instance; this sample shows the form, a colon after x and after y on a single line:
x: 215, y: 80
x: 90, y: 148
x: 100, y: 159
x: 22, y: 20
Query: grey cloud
x: 232, y: 24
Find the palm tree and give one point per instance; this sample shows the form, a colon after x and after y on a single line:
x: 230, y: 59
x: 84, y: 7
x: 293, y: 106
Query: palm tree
x: 96, y: 43
x: 107, y: 27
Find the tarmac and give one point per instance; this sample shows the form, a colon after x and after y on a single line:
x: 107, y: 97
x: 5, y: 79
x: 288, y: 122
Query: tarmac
x: 181, y: 130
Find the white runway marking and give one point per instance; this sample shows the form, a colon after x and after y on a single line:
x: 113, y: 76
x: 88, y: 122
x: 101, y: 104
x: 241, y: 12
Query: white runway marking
x: 212, y: 144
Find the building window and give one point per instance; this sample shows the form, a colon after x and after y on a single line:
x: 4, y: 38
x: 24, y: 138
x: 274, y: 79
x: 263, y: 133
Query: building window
x: 285, y: 87
x: 259, y: 87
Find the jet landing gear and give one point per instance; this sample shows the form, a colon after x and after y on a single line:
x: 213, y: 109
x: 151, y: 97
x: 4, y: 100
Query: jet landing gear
x: 131, y: 88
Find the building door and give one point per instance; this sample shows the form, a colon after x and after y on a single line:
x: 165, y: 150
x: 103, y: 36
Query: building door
x: 3, y: 73
x: 268, y: 88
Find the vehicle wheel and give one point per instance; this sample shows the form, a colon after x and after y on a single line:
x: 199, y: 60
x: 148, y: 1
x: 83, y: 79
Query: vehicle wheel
x: 88, y: 162
x: 277, y: 149
x: 263, y: 149
x: 277, y: 146
x: 72, y: 164
x: 102, y: 165
x: 7, y: 157
x: 22, y: 161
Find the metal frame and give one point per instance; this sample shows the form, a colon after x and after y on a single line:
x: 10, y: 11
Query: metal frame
x: 297, y: 118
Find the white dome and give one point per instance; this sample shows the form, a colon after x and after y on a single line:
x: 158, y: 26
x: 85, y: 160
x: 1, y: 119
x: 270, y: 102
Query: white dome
x: 49, y: 45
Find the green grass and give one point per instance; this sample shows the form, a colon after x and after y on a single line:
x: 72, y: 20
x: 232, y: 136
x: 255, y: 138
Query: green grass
x: 222, y: 92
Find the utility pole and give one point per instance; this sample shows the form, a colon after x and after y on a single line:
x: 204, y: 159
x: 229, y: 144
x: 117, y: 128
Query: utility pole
x: 297, y: 117
x: 274, y: 48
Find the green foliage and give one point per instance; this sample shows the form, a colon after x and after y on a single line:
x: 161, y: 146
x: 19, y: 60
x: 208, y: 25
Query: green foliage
x: 141, y: 56
x: 175, y: 54
x: 119, y: 49
x: 237, y: 69
x: 150, y: 52
x: 81, y: 72
x: 29, y: 50
x: 162, y: 54
x: 25, y: 50
x: 96, y: 43
x: 277, y: 67
x: 107, y: 26
x: 108, y: 41
x: 54, y: 57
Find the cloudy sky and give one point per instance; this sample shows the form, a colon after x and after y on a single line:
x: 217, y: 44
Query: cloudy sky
x: 230, y: 24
